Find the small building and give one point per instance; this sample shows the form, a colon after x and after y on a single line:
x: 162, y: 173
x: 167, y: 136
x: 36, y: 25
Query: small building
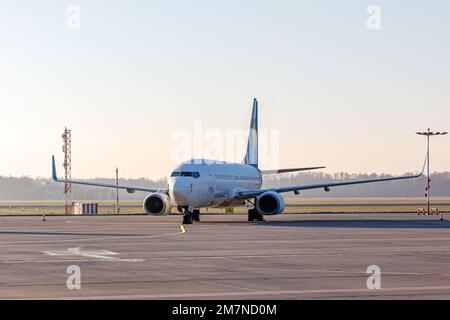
x: 79, y: 208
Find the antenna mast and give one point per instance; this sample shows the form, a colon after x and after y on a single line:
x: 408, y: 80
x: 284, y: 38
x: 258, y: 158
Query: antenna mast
x: 67, y: 164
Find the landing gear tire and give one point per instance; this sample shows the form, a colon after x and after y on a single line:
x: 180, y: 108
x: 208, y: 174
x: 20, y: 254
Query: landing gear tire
x: 196, y: 215
x: 187, y: 218
x: 253, y: 214
x: 259, y: 216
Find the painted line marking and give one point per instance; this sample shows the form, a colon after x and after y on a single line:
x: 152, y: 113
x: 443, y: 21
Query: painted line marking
x: 95, y: 239
x: 121, y: 223
x: 44, y: 261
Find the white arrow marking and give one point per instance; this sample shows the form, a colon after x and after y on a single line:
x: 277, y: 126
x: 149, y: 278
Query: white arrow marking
x: 104, y: 255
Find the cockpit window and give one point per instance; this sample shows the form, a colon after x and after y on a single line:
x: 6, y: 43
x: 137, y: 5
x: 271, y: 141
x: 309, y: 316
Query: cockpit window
x: 185, y: 174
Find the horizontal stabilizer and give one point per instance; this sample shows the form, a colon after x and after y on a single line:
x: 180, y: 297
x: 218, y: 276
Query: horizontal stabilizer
x: 276, y: 171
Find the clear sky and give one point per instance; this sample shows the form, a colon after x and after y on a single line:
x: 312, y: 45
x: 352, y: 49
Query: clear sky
x: 135, y: 72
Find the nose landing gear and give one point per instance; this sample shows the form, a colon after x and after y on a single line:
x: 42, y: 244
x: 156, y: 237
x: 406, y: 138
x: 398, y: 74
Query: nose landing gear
x: 187, y: 218
x: 191, y: 215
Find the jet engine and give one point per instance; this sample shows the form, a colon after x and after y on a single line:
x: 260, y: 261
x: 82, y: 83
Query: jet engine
x: 270, y: 203
x: 157, y: 204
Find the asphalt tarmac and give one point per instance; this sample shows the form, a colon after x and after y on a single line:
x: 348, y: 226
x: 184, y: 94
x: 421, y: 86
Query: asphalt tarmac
x: 291, y: 256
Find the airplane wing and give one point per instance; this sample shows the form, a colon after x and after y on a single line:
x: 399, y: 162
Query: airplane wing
x: 276, y: 171
x: 130, y: 189
x: 245, y: 194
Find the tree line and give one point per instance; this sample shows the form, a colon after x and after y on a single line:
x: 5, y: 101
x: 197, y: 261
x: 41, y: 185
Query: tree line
x: 26, y: 188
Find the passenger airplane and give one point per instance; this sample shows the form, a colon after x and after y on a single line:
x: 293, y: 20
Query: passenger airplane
x: 204, y: 183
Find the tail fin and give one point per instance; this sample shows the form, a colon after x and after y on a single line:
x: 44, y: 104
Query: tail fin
x: 251, y: 157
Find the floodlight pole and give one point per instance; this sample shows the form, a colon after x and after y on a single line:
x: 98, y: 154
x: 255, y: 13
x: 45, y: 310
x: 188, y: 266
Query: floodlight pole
x: 429, y: 133
x: 117, y: 191
x: 428, y: 172
x: 67, y: 149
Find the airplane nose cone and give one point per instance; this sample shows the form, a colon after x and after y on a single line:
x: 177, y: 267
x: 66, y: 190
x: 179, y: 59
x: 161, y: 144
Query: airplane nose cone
x: 181, y: 192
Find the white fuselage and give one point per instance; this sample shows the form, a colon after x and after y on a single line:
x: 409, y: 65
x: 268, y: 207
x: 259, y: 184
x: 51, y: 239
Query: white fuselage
x: 203, y: 183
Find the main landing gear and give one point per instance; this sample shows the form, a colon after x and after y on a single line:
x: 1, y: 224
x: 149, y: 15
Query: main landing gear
x: 253, y: 214
x: 191, y: 215
x: 196, y: 215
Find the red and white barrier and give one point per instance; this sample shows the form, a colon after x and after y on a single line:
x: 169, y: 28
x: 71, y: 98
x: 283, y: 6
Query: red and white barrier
x: 85, y: 208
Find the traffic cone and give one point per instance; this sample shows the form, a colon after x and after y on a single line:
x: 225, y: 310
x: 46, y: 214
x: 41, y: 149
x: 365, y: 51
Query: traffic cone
x: 43, y: 217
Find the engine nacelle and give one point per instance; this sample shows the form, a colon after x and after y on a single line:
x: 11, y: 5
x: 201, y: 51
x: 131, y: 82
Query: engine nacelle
x: 157, y: 204
x: 270, y: 203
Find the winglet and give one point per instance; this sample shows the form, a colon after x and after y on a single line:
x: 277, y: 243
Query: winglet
x: 277, y: 171
x: 54, y: 176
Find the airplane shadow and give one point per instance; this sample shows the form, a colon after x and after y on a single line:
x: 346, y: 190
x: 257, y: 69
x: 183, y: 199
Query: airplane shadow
x: 370, y: 223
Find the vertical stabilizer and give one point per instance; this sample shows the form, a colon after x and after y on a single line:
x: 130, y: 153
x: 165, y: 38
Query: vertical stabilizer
x: 251, y: 157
